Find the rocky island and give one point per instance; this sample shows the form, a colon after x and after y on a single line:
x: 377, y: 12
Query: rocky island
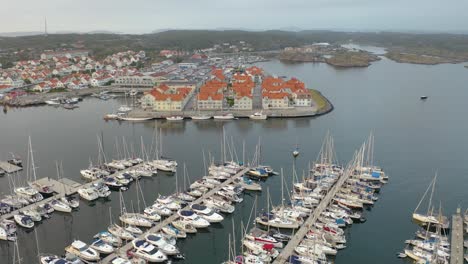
x: 334, y: 55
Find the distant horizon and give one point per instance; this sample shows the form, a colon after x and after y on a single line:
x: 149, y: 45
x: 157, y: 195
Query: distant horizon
x: 286, y: 29
x: 145, y: 16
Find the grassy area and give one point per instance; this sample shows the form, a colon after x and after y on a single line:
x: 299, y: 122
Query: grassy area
x: 319, y: 99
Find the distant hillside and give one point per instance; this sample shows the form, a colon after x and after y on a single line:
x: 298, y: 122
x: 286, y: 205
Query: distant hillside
x: 104, y: 44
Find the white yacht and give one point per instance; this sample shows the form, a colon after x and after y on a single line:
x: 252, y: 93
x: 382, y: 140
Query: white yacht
x: 24, y: 220
x: 193, y: 218
x: 208, y: 214
x: 89, y: 194
x: 148, y: 252
x: 60, y: 206
x: 102, y: 247
x: 258, y: 116
x: 83, y: 251
x: 227, y: 116
x: 160, y: 242
x: 174, y: 118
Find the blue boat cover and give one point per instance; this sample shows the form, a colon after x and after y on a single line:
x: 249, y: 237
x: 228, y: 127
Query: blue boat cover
x: 375, y: 174
x: 186, y: 213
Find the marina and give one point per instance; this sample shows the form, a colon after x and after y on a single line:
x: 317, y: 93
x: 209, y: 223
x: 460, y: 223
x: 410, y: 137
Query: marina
x: 175, y: 216
x: 406, y: 156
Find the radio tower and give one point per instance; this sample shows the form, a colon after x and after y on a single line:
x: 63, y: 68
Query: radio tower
x: 45, y: 26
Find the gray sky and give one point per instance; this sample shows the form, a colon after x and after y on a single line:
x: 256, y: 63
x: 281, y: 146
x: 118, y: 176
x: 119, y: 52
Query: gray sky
x: 142, y: 16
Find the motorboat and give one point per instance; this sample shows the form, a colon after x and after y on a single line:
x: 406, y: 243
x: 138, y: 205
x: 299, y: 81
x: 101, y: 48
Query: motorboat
x: 133, y: 119
x: 173, y: 231
x: 29, y: 193
x: 33, y: 214
x: 7, y: 230
x: 258, y: 116
x: 134, y: 230
x: 54, y: 101
x: 220, y: 205
x: 184, y: 226
x: 120, y: 260
x: 159, y: 241
x: 208, y: 214
x: 174, y: 118
x: 71, y: 201
x: 24, y: 220
x: 169, y: 202
x: 89, y: 194
x: 227, y: 116
x: 159, y: 209
x: 194, y: 219
x: 83, y: 251
x: 53, y: 259
x: 101, y: 246
x: 148, y: 252
x: 263, y: 237
x: 60, y: 206
x: 101, y: 189
x: 200, y: 117
x: 151, y: 214
x: 109, y: 238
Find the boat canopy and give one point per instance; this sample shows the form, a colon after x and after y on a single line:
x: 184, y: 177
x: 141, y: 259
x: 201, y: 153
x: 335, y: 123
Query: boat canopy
x: 198, y: 207
x: 186, y: 213
x: 376, y: 174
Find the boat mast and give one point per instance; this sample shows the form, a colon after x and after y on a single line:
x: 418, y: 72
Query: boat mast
x: 32, y: 160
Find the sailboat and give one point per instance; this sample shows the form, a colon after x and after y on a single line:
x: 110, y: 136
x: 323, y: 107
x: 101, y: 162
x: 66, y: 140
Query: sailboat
x: 28, y: 192
x: 428, y: 218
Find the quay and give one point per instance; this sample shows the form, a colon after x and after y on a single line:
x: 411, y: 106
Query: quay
x: 274, y: 113
x: 61, y: 188
x: 8, y: 167
x: 456, y: 251
x: 309, y: 223
x: 122, y: 250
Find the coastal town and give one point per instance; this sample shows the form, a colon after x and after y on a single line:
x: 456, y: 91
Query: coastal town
x: 179, y: 83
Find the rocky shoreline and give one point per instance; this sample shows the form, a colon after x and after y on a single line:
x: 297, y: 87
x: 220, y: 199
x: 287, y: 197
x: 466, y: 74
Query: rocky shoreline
x: 341, y: 59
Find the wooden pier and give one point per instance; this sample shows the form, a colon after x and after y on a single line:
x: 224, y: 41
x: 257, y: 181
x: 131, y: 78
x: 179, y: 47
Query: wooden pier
x: 456, y: 252
x: 121, y: 251
x: 8, y: 167
x: 309, y: 223
x: 61, y: 188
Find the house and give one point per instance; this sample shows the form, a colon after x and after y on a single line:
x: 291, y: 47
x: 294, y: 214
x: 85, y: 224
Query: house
x: 165, y: 98
x: 136, y: 80
x: 242, y: 102
x: 210, y: 101
x: 275, y: 100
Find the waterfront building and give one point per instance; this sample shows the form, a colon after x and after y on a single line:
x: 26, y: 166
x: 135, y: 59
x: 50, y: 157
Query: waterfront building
x: 135, y: 80
x: 279, y: 100
x: 166, y: 98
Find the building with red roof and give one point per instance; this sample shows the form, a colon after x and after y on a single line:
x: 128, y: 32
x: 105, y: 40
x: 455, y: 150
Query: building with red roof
x: 166, y: 98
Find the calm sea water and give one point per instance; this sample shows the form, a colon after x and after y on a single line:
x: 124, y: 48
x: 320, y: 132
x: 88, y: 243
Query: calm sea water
x: 414, y: 139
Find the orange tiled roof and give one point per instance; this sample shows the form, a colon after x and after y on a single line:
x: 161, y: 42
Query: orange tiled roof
x: 275, y: 95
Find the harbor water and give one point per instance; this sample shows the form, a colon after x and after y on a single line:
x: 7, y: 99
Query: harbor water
x: 413, y: 140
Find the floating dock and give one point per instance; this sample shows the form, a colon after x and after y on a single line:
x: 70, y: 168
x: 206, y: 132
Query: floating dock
x: 61, y: 188
x: 456, y: 252
x: 309, y: 223
x: 8, y: 167
x: 122, y: 250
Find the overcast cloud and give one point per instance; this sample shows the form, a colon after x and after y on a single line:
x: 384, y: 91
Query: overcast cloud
x: 141, y: 16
